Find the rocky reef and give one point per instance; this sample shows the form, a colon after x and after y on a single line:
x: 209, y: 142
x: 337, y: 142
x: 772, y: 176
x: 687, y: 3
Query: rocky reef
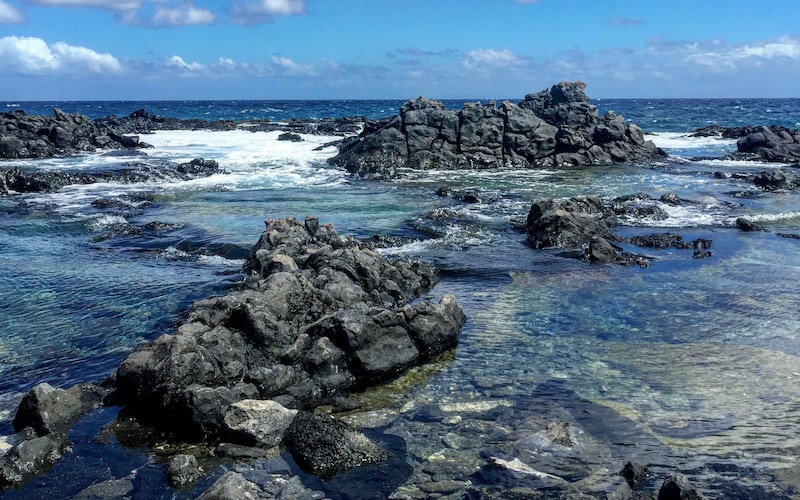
x: 585, y: 223
x: 16, y: 180
x: 554, y: 127
x: 773, y: 143
x: 318, y: 316
x: 38, y: 136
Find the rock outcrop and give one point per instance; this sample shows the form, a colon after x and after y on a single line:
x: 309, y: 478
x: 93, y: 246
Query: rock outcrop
x: 15, y: 180
x: 38, y: 136
x: 773, y: 143
x: 585, y: 224
x: 142, y: 122
x: 319, y: 316
x: 556, y: 126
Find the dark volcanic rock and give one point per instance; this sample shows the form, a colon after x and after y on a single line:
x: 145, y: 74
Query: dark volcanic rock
x: 31, y: 457
x: 570, y: 223
x: 232, y: 486
x: 325, y: 446
x: 291, y: 137
x: 319, y: 316
x: 556, y: 126
x: 777, y: 179
x: 677, y: 487
x: 38, y: 136
x: 777, y: 144
x: 669, y: 240
x: 15, y: 180
x: 184, y: 471
x: 635, y: 474
x: 46, y: 409
x: 748, y: 225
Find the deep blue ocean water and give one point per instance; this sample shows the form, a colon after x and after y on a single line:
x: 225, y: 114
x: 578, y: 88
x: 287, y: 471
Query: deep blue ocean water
x: 698, y: 361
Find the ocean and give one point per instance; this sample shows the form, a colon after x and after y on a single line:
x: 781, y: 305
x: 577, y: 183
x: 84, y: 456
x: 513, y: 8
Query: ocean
x: 690, y: 365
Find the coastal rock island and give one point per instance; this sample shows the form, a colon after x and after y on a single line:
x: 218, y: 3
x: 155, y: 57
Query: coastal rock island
x: 554, y: 127
x: 318, y: 316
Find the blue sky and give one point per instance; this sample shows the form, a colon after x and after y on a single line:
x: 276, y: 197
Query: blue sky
x: 371, y: 49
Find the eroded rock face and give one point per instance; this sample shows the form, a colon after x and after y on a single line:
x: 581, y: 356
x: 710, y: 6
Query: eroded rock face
x: 556, y: 126
x: 320, y: 315
x: 38, y: 136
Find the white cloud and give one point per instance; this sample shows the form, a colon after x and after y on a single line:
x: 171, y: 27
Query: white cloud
x: 9, y: 14
x: 727, y: 58
x: 117, y: 5
x: 491, y: 57
x: 264, y: 10
x: 28, y: 55
x: 293, y: 67
x: 177, y: 62
x: 184, y: 15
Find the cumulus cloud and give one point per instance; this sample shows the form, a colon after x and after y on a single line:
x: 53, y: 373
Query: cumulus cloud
x: 731, y: 58
x: 9, y: 14
x: 264, y: 10
x: 491, y: 57
x: 33, y: 56
x: 292, y: 67
x: 184, y: 15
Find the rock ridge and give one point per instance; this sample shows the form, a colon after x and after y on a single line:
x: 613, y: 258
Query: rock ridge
x: 318, y: 316
x: 554, y: 127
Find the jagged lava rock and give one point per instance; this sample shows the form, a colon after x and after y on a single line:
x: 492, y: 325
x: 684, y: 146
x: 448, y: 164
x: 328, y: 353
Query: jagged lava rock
x: 556, y: 126
x: 38, y: 136
x: 318, y: 316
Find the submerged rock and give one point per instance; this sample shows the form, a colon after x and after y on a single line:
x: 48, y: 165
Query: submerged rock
x: 326, y: 446
x: 232, y: 486
x: 677, y: 487
x: 184, y: 471
x: 777, y: 179
x: 556, y: 126
x: 319, y: 316
x: 32, y: 456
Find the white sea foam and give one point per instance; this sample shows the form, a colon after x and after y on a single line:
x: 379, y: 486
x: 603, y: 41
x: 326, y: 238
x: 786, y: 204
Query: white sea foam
x: 456, y: 237
x: 251, y: 160
x: 680, y: 140
x: 784, y: 216
x: 105, y: 221
x: 741, y: 164
x: 217, y: 260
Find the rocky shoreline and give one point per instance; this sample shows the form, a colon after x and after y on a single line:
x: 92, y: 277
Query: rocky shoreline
x: 254, y: 373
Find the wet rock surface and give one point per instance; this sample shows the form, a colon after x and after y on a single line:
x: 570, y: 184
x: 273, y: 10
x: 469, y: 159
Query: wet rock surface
x: 554, y: 127
x: 318, y: 316
x: 38, y: 136
x: 585, y: 223
x: 16, y: 180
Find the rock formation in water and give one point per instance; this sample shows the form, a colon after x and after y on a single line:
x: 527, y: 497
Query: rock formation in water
x: 318, y: 316
x: 774, y: 143
x: 585, y: 223
x: 556, y: 126
x: 38, y: 136
x: 16, y: 180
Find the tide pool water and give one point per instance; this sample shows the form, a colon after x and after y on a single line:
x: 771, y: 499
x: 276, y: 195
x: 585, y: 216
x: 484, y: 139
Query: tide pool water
x: 690, y: 365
